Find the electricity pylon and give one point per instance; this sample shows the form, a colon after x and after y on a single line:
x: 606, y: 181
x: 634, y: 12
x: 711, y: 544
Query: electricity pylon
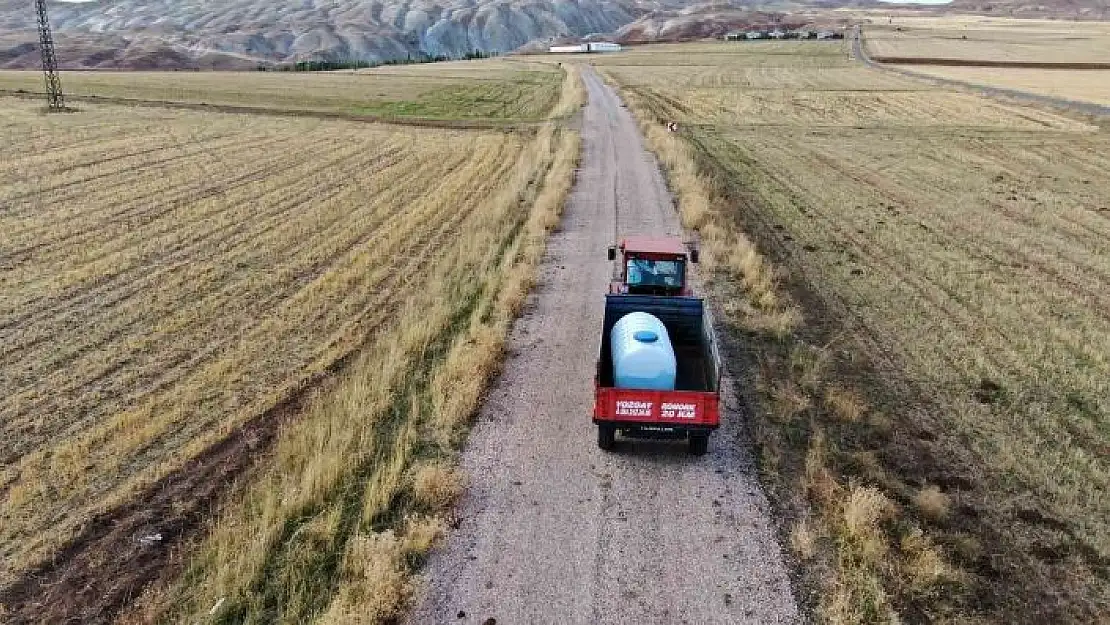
x: 55, y: 100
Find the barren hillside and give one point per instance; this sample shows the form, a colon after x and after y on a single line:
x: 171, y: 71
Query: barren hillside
x: 1065, y: 9
x: 236, y: 33
x: 241, y: 34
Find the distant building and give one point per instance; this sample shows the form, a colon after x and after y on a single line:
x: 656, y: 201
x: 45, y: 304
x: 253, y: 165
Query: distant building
x: 776, y: 34
x: 753, y: 34
x: 593, y: 46
x: 734, y: 36
x: 603, y: 46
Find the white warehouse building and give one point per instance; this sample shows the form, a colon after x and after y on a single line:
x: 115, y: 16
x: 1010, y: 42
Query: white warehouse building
x: 604, y: 46
x: 593, y: 46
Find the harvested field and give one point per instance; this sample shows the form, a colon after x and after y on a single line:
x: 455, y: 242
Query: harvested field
x: 872, y: 108
x: 462, y: 90
x: 288, y: 303
x: 939, y: 419
x: 1079, y: 85
x: 817, y: 87
x: 995, y: 40
x: 732, y: 55
x: 833, y: 77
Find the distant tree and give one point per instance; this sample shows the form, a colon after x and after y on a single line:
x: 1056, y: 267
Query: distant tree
x: 421, y: 57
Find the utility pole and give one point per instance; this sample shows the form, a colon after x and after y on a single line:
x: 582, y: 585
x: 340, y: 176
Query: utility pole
x: 55, y: 100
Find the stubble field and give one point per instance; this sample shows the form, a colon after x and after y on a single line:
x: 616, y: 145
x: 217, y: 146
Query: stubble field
x: 487, y: 91
x: 938, y: 419
x: 978, y: 39
x: 1068, y: 60
x: 244, y: 332
x: 1088, y: 85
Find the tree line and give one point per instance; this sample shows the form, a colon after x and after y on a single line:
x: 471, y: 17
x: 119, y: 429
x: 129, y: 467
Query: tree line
x: 324, y: 65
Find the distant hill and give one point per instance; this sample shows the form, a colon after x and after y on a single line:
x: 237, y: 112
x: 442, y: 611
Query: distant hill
x: 235, y: 33
x: 239, y: 34
x: 1068, y: 9
x: 715, y: 20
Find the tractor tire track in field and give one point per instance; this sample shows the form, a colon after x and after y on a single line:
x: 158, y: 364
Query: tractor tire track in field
x: 554, y: 530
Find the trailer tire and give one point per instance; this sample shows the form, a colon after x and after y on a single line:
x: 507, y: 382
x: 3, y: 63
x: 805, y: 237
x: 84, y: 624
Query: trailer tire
x: 699, y: 444
x: 606, y: 436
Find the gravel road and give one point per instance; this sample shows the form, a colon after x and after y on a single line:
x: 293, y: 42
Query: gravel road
x: 554, y: 530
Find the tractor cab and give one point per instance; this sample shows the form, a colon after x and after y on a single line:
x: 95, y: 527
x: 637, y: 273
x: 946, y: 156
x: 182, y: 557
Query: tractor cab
x: 650, y: 266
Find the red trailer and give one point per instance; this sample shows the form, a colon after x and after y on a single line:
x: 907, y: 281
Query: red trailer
x: 658, y: 287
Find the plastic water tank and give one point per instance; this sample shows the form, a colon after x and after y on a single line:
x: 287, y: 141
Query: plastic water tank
x: 642, y: 354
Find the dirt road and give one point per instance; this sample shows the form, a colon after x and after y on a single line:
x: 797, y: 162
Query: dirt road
x: 553, y: 530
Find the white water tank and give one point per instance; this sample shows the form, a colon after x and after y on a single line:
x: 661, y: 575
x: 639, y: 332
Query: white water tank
x: 643, y: 357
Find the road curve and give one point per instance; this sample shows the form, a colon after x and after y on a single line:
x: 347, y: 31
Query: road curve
x: 554, y: 530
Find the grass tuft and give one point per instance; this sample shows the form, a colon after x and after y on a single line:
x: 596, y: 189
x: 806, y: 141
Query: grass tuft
x: 375, y: 583
x: 864, y: 509
x: 925, y: 565
x: 803, y: 539
x: 437, y: 486
x: 845, y: 404
x: 932, y: 503
x: 788, y: 401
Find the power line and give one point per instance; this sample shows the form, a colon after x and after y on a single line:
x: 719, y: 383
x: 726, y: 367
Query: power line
x: 55, y: 100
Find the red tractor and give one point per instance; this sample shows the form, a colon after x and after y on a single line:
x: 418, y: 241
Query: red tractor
x: 651, y: 267
x: 653, y: 280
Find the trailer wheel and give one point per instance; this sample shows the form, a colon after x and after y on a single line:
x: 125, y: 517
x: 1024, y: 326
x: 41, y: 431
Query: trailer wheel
x: 606, y: 436
x: 699, y: 444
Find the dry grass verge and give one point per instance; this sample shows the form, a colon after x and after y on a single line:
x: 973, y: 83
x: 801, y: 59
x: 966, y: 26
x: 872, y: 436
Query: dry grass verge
x: 573, y: 95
